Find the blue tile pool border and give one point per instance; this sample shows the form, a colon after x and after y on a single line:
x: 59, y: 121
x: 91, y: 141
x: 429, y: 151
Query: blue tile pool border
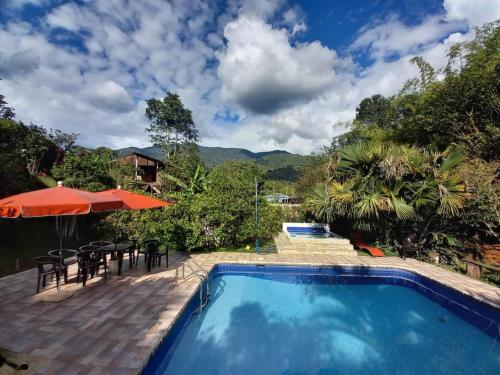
x: 480, y: 314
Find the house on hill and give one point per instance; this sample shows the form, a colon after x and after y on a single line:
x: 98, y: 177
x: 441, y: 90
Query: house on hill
x: 146, y: 169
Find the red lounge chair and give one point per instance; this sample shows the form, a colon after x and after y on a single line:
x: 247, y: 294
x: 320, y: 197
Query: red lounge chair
x: 358, y: 242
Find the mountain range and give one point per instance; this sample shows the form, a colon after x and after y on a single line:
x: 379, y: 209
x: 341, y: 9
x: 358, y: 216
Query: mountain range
x: 213, y: 156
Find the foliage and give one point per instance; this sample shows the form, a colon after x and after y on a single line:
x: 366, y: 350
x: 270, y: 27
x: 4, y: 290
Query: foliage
x: 6, y: 112
x: 287, y: 173
x: 181, y: 167
x: 311, y: 175
x: 23, y: 148
x: 222, y: 213
x: 358, y: 131
x: 14, y: 175
x: 170, y: 123
x: 86, y: 169
x: 462, y: 108
x: 396, y: 190
x: 480, y: 218
x: 374, y: 110
x: 278, y: 186
x: 63, y: 142
x: 423, y: 165
x: 197, y: 183
x: 36, y: 145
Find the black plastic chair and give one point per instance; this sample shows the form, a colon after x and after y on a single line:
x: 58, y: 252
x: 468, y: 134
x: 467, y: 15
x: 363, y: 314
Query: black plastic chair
x: 410, y: 248
x: 153, y: 254
x: 102, y: 243
x: 90, y: 258
x: 141, y: 249
x: 131, y: 251
x: 66, y: 258
x: 47, y: 265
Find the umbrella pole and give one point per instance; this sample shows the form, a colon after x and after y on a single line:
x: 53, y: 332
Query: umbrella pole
x: 116, y: 227
x: 60, y: 232
x: 59, y: 219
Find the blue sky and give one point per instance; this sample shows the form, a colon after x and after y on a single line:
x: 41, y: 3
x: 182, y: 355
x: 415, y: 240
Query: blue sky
x: 258, y: 74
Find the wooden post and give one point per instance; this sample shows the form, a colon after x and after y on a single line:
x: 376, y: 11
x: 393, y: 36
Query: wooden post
x: 473, y: 270
x: 18, y: 265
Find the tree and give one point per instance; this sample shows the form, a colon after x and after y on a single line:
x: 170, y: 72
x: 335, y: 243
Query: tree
x: 36, y: 145
x: 13, y: 173
x: 462, y: 108
x: 170, y: 123
x: 215, y: 209
x: 63, y: 142
x: 86, y: 169
x: 311, y: 175
x: 375, y: 110
x: 180, y: 167
x: 6, y: 112
x: 396, y: 191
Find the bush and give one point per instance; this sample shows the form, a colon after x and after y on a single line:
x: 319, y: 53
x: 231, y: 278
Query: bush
x: 222, y: 215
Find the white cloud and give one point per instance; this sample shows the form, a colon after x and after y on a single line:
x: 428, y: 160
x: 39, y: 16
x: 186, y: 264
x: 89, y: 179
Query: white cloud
x: 393, y: 37
x: 19, y: 64
x: 241, y: 59
x: 263, y: 73
x: 109, y: 96
x: 475, y: 12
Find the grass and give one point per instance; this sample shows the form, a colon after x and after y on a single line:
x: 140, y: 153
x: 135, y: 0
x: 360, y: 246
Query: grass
x: 266, y: 246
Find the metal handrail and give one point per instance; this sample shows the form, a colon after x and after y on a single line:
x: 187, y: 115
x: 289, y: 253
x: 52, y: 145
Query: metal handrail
x: 202, y: 275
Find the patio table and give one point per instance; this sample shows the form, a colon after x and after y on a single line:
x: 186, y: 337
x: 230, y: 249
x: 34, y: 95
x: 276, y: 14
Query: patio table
x: 120, y: 249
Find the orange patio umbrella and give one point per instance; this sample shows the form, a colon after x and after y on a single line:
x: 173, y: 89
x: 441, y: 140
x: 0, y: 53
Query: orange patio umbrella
x: 133, y: 201
x: 58, y: 201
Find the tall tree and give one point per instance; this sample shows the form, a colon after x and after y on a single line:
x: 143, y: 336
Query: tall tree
x: 63, y: 142
x: 170, y: 123
x: 6, y: 112
x: 374, y: 110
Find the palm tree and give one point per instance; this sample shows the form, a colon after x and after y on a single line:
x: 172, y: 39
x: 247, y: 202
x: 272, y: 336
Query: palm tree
x: 384, y: 188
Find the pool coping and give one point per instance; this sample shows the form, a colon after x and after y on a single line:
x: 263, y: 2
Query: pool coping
x: 411, y: 270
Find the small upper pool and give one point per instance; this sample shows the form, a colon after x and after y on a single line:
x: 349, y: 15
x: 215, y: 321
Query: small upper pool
x: 308, y: 230
x: 330, y: 320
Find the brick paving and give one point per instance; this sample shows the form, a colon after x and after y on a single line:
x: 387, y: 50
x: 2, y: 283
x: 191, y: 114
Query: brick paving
x: 112, y: 326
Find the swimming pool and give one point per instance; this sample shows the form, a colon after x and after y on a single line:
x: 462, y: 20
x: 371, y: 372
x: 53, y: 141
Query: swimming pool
x: 330, y: 320
x: 308, y: 230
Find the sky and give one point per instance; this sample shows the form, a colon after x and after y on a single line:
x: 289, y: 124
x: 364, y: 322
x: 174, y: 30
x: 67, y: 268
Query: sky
x: 257, y: 74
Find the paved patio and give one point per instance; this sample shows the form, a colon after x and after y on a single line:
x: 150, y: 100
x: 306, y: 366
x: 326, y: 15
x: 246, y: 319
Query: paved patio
x: 112, y: 326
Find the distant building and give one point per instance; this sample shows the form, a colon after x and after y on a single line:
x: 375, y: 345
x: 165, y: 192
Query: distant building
x: 278, y: 198
x: 146, y: 168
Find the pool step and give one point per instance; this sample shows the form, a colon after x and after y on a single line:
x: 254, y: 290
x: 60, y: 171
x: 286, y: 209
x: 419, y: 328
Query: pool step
x: 329, y: 246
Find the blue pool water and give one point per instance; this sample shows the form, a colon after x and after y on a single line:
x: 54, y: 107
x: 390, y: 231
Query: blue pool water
x: 311, y: 235
x: 325, y: 324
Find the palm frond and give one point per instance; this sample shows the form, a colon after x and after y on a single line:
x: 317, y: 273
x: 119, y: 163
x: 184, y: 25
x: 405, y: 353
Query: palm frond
x: 451, y: 198
x: 175, y: 180
x: 368, y: 206
x: 453, y: 158
x: 320, y: 204
x: 403, y: 210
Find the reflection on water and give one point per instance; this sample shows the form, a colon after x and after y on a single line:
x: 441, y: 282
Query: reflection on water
x: 260, y: 326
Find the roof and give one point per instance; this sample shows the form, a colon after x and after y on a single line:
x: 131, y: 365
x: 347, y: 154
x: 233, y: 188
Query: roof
x: 142, y: 156
x: 278, y: 195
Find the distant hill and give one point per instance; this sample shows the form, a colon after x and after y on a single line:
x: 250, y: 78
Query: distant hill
x: 213, y: 156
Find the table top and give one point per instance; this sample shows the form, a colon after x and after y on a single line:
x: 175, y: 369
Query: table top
x: 118, y: 247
